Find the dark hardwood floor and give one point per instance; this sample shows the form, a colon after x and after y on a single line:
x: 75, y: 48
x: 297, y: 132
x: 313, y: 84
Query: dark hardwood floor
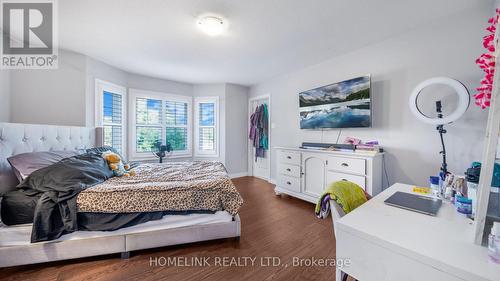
x: 272, y: 226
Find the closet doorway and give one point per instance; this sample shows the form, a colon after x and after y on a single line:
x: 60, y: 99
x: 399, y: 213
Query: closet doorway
x: 259, y: 167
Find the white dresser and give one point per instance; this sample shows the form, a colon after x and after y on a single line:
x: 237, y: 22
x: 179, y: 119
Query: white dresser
x: 305, y: 173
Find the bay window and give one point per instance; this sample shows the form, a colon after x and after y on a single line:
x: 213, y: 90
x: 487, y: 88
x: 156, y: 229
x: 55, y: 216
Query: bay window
x: 159, y: 117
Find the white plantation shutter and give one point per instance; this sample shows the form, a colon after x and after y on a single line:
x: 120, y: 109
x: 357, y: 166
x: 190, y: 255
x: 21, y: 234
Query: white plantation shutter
x: 206, y: 123
x: 148, y: 116
x: 176, y: 115
x: 112, y: 120
x: 110, y: 114
x: 112, y: 135
x: 206, y: 126
x: 206, y: 138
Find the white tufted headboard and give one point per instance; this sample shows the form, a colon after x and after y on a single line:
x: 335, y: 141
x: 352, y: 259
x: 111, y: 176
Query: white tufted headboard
x: 21, y: 138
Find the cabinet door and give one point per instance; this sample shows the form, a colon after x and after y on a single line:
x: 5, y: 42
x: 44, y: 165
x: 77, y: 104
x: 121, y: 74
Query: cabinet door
x: 313, y: 178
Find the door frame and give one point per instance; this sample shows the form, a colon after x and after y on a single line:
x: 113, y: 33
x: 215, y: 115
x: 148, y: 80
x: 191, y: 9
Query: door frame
x: 250, y: 147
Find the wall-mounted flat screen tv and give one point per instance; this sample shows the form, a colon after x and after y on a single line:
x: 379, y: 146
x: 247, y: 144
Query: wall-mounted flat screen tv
x: 345, y: 104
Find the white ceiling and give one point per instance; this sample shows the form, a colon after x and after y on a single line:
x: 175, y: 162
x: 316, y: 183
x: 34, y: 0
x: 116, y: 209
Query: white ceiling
x: 265, y: 38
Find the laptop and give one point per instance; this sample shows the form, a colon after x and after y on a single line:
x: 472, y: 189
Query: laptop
x: 413, y: 202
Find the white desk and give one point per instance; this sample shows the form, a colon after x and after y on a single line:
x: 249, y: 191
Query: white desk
x: 386, y: 243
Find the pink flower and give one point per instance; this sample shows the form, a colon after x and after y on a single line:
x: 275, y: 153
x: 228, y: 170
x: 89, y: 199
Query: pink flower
x: 487, y: 63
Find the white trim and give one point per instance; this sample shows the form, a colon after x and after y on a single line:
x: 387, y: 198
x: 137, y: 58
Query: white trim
x: 238, y: 175
x: 137, y: 93
x: 261, y: 97
x: 303, y: 196
x: 197, y: 151
x: 250, y: 150
x: 100, y: 87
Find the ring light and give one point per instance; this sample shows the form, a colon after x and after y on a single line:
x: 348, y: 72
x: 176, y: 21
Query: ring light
x: 460, y: 90
x: 440, y: 121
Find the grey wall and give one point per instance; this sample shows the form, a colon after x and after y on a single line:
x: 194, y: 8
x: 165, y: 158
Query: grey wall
x: 236, y: 128
x: 98, y: 70
x: 66, y: 96
x: 233, y: 114
x: 55, y: 97
x: 4, y: 96
x: 136, y: 81
x: 445, y: 48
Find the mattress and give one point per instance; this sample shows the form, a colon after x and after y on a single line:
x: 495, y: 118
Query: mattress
x: 19, y: 235
x: 19, y: 208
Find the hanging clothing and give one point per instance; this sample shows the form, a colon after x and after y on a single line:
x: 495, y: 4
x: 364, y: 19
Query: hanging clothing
x: 259, y: 130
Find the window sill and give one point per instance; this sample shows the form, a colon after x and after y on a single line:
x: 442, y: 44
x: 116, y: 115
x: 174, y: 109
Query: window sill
x: 206, y: 155
x: 151, y: 158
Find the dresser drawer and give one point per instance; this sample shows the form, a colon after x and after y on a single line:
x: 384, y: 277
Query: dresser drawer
x: 289, y: 183
x: 289, y: 170
x: 288, y: 157
x: 349, y: 165
x: 334, y: 176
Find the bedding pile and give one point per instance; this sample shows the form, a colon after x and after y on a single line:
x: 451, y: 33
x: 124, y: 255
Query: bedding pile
x: 59, y: 185
x: 80, y: 193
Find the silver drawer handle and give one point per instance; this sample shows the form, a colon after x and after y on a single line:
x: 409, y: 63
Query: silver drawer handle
x: 288, y: 169
x: 344, y: 165
x: 289, y: 157
x: 289, y: 183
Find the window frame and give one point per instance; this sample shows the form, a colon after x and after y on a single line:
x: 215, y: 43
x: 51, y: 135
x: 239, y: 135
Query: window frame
x: 197, y: 126
x: 102, y: 86
x: 137, y: 93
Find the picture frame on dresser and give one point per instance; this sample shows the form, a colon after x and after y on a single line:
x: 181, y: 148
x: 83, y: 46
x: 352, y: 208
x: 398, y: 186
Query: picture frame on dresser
x: 305, y: 174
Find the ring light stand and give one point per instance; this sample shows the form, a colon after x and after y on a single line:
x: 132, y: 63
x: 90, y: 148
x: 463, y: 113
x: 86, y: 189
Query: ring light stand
x: 440, y: 121
x: 441, y: 130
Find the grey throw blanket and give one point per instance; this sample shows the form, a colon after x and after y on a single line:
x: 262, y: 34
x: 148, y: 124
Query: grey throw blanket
x: 59, y: 185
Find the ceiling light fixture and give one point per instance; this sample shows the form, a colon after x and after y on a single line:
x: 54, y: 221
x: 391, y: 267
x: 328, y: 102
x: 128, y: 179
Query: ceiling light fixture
x: 211, y: 25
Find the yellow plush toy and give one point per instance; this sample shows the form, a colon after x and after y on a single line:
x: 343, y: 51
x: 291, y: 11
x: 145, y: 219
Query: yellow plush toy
x: 115, y: 163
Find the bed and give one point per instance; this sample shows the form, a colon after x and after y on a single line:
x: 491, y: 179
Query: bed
x: 141, y: 232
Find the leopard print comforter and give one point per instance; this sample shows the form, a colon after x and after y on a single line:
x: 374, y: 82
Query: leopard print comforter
x: 181, y: 186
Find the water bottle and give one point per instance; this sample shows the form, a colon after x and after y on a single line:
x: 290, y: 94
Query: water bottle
x: 434, y: 184
x: 472, y: 195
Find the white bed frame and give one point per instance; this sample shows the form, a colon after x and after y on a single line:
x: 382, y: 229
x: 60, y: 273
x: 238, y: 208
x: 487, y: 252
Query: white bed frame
x: 21, y: 138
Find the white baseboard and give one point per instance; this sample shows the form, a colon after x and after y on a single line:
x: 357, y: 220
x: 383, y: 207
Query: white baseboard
x: 238, y: 175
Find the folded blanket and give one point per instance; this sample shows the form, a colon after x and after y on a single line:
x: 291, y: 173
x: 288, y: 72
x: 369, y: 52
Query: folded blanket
x: 347, y: 194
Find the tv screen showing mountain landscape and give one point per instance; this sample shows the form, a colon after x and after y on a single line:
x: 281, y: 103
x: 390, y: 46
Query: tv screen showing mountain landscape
x: 346, y: 104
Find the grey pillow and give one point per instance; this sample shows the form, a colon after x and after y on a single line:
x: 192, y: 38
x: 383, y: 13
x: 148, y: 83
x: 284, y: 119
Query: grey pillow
x: 26, y: 163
